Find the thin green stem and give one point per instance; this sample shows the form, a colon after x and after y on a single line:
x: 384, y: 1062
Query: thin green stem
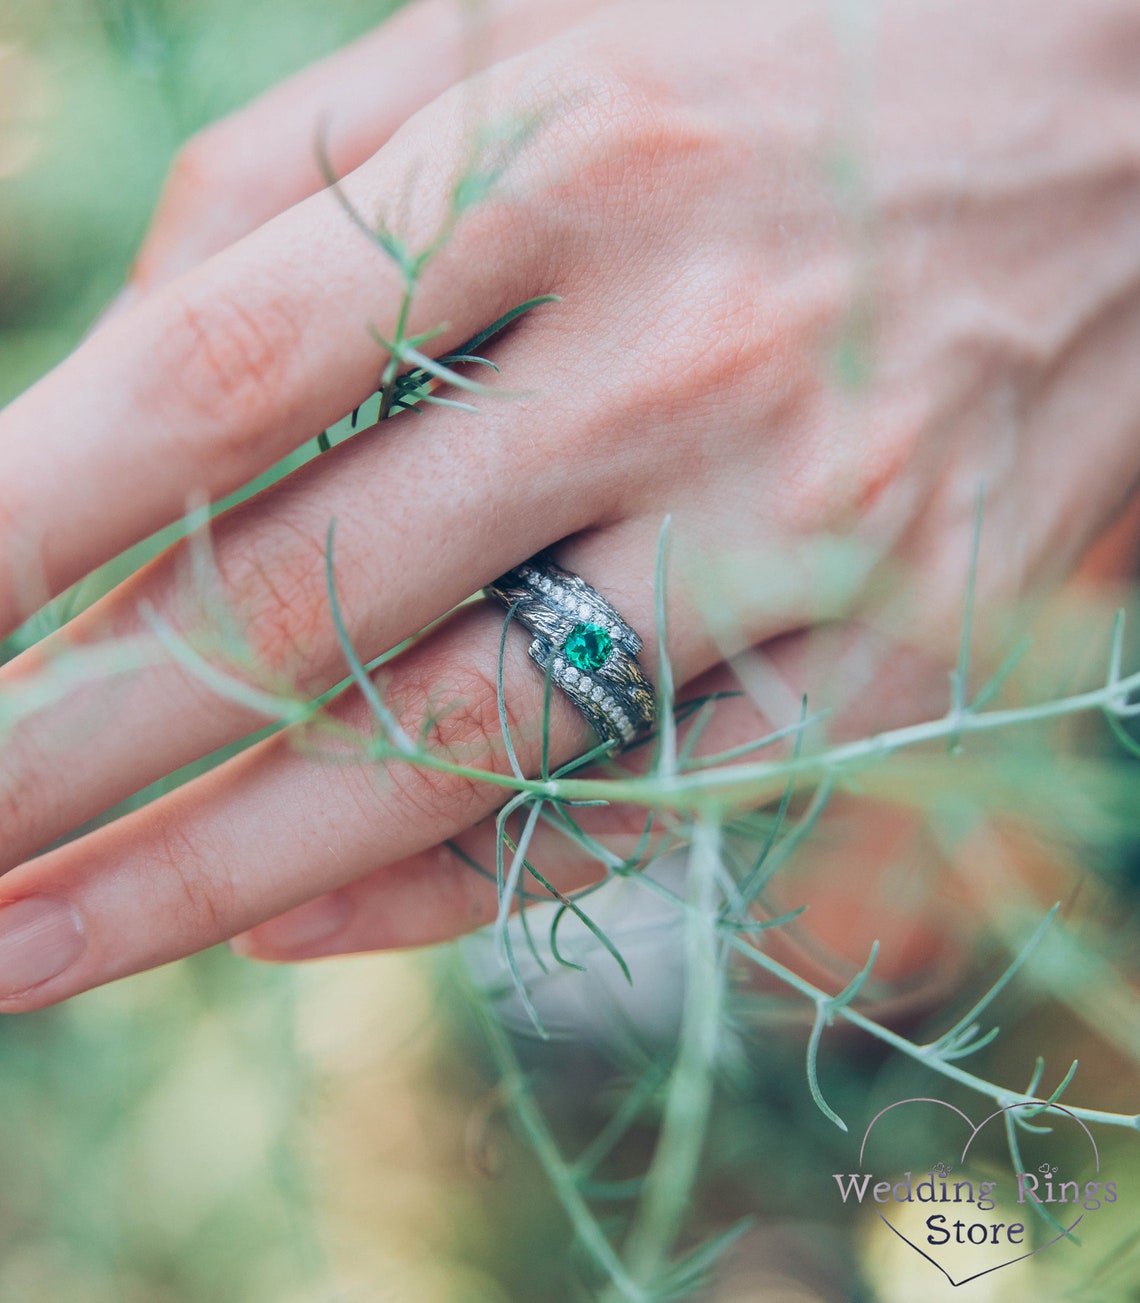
x: 954, y: 1037
x: 960, y: 679
x: 624, y: 1116
x: 388, y: 386
x: 672, y: 1173
x: 999, y: 1094
x: 558, y: 1171
x: 750, y: 783
x: 714, y: 790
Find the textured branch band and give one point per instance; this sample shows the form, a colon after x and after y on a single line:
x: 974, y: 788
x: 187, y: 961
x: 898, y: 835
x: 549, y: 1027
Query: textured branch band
x: 589, y: 650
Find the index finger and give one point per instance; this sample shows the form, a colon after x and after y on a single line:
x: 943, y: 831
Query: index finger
x: 215, y: 377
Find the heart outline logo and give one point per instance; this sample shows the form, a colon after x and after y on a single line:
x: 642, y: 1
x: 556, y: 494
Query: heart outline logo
x: 974, y: 1131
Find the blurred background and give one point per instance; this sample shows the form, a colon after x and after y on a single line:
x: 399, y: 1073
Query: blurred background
x: 223, y: 1130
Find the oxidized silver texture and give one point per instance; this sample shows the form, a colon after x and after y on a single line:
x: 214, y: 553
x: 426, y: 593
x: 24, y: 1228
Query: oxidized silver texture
x: 616, y: 698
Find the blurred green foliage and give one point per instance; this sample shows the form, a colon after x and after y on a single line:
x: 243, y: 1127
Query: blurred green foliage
x: 95, y: 97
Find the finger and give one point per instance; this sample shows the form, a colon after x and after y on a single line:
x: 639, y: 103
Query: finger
x: 450, y: 889
x: 393, y: 492
x: 248, y: 167
x: 273, y: 827
x: 444, y: 892
x: 215, y: 377
x: 850, y: 872
x: 441, y: 892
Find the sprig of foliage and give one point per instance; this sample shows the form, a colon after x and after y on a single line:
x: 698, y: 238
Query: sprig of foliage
x: 405, y: 389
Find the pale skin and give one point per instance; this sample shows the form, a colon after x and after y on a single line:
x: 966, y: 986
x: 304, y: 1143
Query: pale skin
x: 681, y: 194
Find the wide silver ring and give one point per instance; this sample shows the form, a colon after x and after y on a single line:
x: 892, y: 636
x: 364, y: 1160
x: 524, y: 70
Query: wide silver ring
x: 583, y: 644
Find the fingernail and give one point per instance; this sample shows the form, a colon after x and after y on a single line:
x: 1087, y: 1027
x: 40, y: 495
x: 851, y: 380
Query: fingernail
x: 40, y: 936
x: 299, y: 929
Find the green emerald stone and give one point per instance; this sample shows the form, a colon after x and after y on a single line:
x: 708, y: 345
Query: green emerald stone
x: 587, y: 646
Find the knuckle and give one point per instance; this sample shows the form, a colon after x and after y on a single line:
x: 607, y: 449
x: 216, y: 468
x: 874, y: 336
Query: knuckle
x: 209, y: 199
x: 440, y: 800
x: 272, y: 578
x: 623, y: 137
x: 205, y: 893
x: 202, y: 167
x: 460, y: 719
x: 846, y: 474
x: 28, y: 803
x: 229, y: 361
x: 456, y: 714
x: 712, y: 365
x: 726, y: 337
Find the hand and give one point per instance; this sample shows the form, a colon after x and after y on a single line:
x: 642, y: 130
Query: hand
x: 810, y: 288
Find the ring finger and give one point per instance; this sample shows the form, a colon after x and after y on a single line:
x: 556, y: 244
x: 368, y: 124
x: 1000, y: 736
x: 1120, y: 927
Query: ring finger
x: 276, y: 825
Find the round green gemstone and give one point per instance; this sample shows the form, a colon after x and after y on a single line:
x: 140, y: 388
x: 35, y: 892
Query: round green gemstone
x: 588, y: 646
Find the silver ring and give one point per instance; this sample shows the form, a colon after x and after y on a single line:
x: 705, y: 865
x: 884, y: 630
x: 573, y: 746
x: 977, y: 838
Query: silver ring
x: 581, y: 641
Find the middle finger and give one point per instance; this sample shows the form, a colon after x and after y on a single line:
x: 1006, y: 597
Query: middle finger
x: 419, y: 504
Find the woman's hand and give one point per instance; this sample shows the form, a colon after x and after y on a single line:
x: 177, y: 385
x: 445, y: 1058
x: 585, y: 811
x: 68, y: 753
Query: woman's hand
x: 815, y: 283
